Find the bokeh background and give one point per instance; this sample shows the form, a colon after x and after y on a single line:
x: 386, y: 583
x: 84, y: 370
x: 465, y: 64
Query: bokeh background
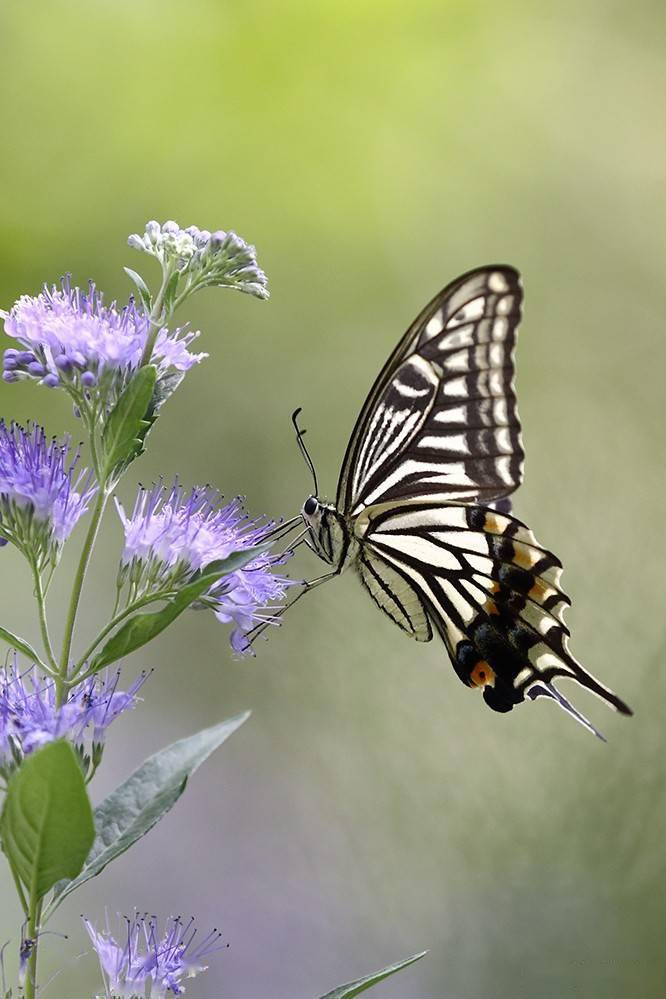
x: 373, y: 806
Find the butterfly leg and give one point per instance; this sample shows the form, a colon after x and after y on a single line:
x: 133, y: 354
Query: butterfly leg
x: 307, y: 585
x: 284, y: 529
x: 310, y: 584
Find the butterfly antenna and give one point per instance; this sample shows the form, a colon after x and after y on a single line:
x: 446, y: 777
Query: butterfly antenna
x: 300, y: 434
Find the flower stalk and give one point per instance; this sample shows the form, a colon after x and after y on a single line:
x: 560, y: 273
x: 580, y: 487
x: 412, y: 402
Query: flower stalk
x: 31, y: 939
x: 51, y: 666
x: 156, y: 319
x: 77, y: 589
x: 76, y: 676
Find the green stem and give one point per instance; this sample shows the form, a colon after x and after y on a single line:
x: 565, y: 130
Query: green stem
x: 49, y: 577
x: 117, y: 619
x: 43, y: 623
x: 189, y: 290
x: 93, y: 452
x: 88, y: 544
x: 32, y: 933
x: 116, y: 602
x: 156, y: 319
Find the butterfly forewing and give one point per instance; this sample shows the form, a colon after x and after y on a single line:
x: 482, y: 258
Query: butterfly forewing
x: 441, y: 420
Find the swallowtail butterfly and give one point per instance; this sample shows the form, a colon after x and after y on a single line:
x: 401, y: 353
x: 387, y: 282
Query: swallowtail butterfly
x: 422, y: 511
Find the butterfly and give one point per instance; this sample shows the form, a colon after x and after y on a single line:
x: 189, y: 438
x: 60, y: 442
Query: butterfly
x: 422, y: 511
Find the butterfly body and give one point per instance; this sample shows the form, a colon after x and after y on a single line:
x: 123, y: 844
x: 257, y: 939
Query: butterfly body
x: 422, y: 509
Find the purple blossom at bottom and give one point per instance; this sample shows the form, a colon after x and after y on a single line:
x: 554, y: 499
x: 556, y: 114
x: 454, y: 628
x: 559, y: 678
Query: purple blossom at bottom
x: 30, y: 717
x: 147, y: 964
x: 172, y: 534
x: 40, y: 501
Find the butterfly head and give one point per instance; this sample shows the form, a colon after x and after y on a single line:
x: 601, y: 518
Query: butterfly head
x: 326, y: 532
x: 310, y: 507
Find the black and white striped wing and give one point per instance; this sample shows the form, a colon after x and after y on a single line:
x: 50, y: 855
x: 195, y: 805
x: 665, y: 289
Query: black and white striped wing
x: 391, y: 589
x: 488, y: 588
x: 441, y: 420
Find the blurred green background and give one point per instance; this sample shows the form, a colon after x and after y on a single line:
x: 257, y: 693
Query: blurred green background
x: 373, y: 806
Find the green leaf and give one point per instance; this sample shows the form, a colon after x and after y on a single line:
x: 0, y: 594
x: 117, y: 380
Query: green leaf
x: 355, y: 988
x: 125, y: 430
x: 135, y: 806
x: 142, y: 628
x: 19, y: 644
x: 165, y: 386
x: 141, y: 286
x: 170, y: 293
x: 47, y: 826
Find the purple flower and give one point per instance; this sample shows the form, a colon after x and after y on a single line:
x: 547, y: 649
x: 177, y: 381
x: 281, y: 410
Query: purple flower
x: 30, y: 717
x: 171, y: 535
x: 204, y: 258
x: 40, y: 501
x: 70, y: 338
x: 147, y: 964
x: 245, y: 599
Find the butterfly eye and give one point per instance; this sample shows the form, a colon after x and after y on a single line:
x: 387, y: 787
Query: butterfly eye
x: 310, y: 506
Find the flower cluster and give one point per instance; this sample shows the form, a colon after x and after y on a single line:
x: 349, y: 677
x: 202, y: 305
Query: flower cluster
x: 40, y: 500
x: 118, y: 364
x: 30, y: 716
x: 70, y: 338
x: 203, y: 258
x: 171, y: 535
x: 146, y: 964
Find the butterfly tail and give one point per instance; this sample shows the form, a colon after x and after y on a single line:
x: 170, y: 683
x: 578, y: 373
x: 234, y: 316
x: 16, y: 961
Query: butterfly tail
x: 546, y: 689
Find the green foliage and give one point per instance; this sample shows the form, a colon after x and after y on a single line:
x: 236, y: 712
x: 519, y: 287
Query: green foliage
x: 142, y: 628
x: 165, y: 386
x: 130, y: 811
x: 142, y: 288
x: 361, y: 984
x: 126, y: 427
x: 171, y: 292
x: 47, y: 826
x: 19, y: 644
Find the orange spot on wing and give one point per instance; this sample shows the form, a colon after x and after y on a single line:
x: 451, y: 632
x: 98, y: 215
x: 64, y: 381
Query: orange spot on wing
x: 490, y: 607
x: 482, y: 674
x: 524, y: 557
x: 538, y: 590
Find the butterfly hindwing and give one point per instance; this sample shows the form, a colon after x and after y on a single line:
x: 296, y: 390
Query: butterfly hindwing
x: 441, y: 420
x: 394, y: 594
x: 489, y: 589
